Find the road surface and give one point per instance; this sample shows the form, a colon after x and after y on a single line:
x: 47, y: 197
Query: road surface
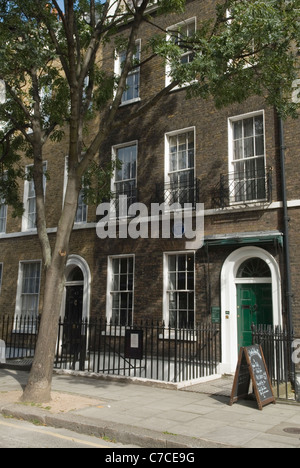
x: 22, y: 434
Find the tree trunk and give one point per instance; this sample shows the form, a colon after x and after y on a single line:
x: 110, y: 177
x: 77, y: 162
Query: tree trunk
x: 38, y: 388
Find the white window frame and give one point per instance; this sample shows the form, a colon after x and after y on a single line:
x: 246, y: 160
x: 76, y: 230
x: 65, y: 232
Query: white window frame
x: 18, y: 309
x: 25, y: 217
x: 167, y: 150
x: 77, y: 221
x: 135, y: 71
x: 166, y: 294
x: 3, y: 216
x: 109, y: 294
x: 167, y: 154
x: 1, y: 275
x: 114, y: 182
x: 172, y: 29
x: 231, y: 161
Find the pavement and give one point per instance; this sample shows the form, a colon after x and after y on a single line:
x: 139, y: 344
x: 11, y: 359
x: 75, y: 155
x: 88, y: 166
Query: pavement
x: 147, y: 416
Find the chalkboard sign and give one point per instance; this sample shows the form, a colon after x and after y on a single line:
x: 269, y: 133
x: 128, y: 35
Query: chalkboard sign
x: 252, y: 367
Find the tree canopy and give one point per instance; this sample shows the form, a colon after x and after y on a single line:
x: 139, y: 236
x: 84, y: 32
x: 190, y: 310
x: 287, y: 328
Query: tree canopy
x: 48, y: 56
x: 53, y: 85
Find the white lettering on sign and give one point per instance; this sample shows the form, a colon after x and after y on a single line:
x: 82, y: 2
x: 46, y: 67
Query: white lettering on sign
x: 296, y: 92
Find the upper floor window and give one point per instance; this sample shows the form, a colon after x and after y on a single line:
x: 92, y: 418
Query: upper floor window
x: 82, y: 208
x: 180, y: 167
x: 81, y: 213
x: 3, y: 216
x: 247, y: 179
x: 29, y: 216
x: 180, y: 34
x: 132, y: 91
x: 125, y: 180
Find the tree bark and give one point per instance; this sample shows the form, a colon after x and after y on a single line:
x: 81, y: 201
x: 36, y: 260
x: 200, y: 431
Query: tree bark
x: 38, y: 388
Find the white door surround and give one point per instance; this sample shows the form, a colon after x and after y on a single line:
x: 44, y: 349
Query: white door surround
x: 229, y: 281
x: 73, y: 262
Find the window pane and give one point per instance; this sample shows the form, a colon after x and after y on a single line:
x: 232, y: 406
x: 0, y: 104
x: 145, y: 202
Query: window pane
x: 172, y: 281
x: 248, y: 147
x: 238, y: 149
x: 190, y: 263
x: 238, y: 130
x: 130, y: 265
x: 182, y: 263
x: 259, y: 146
x: 172, y: 262
x: 248, y: 128
x: 183, y: 301
x: 259, y: 125
x: 123, y: 263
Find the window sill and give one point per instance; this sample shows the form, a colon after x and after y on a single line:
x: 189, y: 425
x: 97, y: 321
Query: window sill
x: 179, y: 335
x: 115, y: 330
x: 131, y: 101
x: 27, y: 330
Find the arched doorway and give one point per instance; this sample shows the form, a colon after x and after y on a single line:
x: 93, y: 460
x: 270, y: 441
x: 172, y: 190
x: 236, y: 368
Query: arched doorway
x: 254, y: 298
x: 76, y: 301
x: 75, y: 308
x: 74, y: 295
x: 250, y: 293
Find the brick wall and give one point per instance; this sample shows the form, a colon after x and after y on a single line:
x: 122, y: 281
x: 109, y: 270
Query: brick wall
x: 174, y: 112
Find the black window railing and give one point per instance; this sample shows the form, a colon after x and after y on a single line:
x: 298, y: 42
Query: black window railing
x: 121, y: 201
x: 183, y: 192
x: 242, y: 188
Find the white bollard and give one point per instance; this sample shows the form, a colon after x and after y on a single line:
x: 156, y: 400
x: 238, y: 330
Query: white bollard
x: 2, y: 352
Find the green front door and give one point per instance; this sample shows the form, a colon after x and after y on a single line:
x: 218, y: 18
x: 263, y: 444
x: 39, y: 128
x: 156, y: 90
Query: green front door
x: 254, y: 306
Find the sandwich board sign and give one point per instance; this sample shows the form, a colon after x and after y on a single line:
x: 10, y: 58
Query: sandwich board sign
x: 252, y: 367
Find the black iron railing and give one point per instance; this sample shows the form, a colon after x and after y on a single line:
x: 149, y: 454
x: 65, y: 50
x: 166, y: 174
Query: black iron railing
x: 19, y: 335
x: 240, y: 188
x: 122, y: 200
x: 184, y: 192
x: 280, y: 348
x: 166, y: 354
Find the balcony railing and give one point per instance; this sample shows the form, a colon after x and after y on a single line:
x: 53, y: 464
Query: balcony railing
x: 243, y: 188
x: 121, y: 202
x: 178, y: 192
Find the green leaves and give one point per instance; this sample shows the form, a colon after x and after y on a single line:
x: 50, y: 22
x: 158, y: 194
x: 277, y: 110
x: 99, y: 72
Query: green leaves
x: 250, y: 49
x: 53, y: 72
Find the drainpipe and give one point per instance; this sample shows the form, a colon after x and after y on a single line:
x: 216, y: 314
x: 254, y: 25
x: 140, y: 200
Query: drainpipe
x: 286, y: 232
